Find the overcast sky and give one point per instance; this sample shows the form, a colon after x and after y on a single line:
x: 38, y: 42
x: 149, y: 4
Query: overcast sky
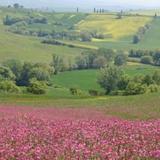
x: 84, y: 3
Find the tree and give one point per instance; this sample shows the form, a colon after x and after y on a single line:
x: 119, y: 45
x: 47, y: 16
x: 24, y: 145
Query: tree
x: 39, y: 74
x: 57, y: 63
x: 15, y: 66
x: 155, y: 16
x: 6, y: 74
x: 85, y: 36
x: 109, y: 54
x: 109, y: 78
x: 120, y: 59
x: 16, y: 6
x: 82, y: 62
x: 156, y: 58
x: 119, y: 15
x: 99, y: 62
x: 24, y: 79
x: 77, y: 9
x: 136, y: 39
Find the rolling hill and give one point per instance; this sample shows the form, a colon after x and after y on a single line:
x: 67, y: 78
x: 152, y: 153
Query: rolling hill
x: 112, y: 27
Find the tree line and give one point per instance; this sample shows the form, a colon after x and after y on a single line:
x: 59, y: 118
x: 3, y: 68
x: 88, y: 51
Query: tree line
x: 140, y: 33
x: 146, y: 56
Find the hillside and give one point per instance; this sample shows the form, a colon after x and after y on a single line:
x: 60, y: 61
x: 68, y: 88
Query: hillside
x: 118, y: 34
x: 28, y: 48
x: 112, y: 27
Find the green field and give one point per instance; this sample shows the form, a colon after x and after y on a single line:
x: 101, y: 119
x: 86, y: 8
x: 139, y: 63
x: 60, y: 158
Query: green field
x: 87, y: 79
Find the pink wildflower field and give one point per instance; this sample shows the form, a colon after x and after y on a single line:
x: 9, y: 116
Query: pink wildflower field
x: 75, y: 134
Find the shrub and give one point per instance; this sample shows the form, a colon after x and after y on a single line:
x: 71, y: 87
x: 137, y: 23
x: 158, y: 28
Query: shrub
x: 153, y: 88
x: 9, y: 87
x: 123, y: 82
x: 93, y: 92
x: 6, y: 73
x: 75, y: 91
x: 120, y: 59
x: 156, y: 77
x: 147, y: 60
x: 37, y: 87
x: 135, y: 88
x: 148, y: 80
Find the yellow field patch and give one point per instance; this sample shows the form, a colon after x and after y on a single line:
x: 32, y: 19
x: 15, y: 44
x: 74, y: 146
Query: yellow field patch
x: 112, y: 27
x: 133, y: 63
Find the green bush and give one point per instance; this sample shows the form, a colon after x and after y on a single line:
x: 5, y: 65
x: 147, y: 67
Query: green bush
x: 37, y: 87
x: 75, y: 91
x: 147, y: 60
x: 6, y: 73
x: 9, y: 87
x: 120, y: 59
x: 135, y: 88
x: 153, y: 88
x: 94, y: 93
x: 156, y: 77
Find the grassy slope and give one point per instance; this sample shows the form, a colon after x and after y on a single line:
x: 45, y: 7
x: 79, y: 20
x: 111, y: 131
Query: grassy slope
x: 152, y: 37
x: 150, y: 40
x: 25, y: 48
x: 150, y: 12
x: 30, y: 49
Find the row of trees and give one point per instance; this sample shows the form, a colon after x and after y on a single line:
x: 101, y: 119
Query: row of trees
x: 141, y: 32
x: 9, y: 20
x: 100, y: 59
x: 16, y: 6
x: 116, y: 82
x: 146, y: 57
x: 101, y: 10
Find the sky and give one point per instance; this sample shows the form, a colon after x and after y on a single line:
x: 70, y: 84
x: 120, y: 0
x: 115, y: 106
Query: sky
x: 85, y: 3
